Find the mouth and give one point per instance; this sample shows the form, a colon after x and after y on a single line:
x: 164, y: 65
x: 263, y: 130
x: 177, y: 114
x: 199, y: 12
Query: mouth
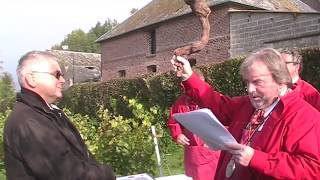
x: 255, y: 98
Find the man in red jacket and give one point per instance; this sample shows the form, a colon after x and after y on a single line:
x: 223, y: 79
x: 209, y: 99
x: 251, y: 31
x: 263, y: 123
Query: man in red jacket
x: 294, y: 63
x: 199, y: 161
x: 285, y: 144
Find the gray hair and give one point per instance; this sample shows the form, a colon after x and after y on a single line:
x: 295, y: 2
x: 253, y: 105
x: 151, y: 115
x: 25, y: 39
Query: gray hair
x: 296, y: 57
x: 294, y: 53
x: 30, y: 58
x: 272, y: 59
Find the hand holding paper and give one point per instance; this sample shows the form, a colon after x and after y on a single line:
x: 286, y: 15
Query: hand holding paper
x: 241, y: 154
x: 204, y: 123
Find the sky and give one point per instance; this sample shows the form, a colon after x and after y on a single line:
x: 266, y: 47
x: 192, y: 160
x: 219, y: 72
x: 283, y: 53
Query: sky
x: 27, y: 25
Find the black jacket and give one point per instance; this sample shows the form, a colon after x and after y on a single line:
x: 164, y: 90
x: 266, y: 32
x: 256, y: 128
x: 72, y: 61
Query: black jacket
x: 41, y: 143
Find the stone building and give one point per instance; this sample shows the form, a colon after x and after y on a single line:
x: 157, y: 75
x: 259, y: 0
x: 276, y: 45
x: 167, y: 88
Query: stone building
x: 145, y: 42
x: 78, y: 67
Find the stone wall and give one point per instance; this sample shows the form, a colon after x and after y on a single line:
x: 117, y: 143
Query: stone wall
x: 250, y: 30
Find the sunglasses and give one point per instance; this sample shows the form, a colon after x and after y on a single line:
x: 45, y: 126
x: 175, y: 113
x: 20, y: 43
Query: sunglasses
x: 56, y: 74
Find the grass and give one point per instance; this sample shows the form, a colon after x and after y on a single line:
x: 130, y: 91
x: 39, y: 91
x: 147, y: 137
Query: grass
x: 172, y: 162
x: 2, y: 177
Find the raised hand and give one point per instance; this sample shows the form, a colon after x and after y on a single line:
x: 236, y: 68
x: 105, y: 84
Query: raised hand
x: 182, y: 67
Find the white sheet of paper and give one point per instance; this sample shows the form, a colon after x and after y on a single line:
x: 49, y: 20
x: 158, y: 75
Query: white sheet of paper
x: 175, y: 177
x: 143, y: 176
x: 205, y: 124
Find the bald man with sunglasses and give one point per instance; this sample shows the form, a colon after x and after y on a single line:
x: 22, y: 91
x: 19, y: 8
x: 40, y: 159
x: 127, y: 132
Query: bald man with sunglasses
x: 40, y: 142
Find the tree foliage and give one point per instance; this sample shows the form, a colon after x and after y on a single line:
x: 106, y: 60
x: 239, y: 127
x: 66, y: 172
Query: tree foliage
x: 3, y: 117
x: 125, y: 143
x: 7, y: 91
x: 80, y: 41
x: 7, y: 96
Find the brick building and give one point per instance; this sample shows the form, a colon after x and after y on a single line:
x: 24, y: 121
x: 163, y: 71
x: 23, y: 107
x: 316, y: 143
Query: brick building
x: 145, y: 42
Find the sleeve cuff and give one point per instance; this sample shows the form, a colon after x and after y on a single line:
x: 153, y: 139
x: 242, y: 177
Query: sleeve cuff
x: 193, y: 79
x: 259, y: 161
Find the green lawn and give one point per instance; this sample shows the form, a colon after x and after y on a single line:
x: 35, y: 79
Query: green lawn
x: 2, y: 177
x: 172, y: 162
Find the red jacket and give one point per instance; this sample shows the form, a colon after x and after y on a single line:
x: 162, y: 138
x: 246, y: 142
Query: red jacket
x: 287, y: 147
x: 200, y: 162
x: 308, y: 92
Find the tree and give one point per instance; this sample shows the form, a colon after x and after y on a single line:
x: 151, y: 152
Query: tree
x: 80, y: 41
x: 7, y: 92
x: 99, y: 29
x: 76, y: 41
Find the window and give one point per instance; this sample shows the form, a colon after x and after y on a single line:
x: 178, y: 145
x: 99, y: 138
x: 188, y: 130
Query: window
x: 152, y: 69
x: 152, y: 42
x: 89, y: 67
x: 122, y: 73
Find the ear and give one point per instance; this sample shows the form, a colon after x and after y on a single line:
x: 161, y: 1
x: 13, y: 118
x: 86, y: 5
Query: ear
x: 30, y: 80
x: 283, y: 88
x: 299, y: 69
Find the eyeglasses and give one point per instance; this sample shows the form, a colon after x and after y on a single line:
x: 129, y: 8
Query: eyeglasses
x: 289, y: 62
x: 56, y: 74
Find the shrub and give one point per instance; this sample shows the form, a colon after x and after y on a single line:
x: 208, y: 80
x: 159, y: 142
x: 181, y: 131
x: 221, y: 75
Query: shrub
x: 3, y: 117
x: 125, y: 143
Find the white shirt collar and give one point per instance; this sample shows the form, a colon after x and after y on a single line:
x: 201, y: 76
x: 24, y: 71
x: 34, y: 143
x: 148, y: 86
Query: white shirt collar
x: 269, y: 109
x: 268, y: 112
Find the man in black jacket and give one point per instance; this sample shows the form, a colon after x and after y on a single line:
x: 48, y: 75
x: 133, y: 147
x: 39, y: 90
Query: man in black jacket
x: 39, y: 140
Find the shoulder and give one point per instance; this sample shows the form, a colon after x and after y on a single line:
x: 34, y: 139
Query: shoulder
x: 306, y: 86
x: 22, y: 117
x: 20, y: 111
x: 293, y: 106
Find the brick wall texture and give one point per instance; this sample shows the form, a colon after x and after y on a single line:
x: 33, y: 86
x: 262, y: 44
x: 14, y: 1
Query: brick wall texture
x: 131, y: 51
x: 252, y: 30
x: 232, y: 33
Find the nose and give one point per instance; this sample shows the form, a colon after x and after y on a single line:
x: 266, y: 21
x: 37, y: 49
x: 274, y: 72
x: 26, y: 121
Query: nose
x: 61, y: 79
x: 251, y: 88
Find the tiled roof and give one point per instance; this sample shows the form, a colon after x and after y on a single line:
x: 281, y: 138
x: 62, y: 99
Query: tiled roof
x: 78, y: 66
x: 159, y: 10
x: 78, y: 58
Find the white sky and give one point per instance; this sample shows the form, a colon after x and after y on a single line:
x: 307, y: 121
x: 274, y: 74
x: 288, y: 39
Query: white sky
x: 27, y: 25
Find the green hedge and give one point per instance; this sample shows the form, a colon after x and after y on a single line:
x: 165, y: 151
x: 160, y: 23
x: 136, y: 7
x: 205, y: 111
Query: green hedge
x: 161, y: 90
x: 225, y: 77
x: 311, y: 66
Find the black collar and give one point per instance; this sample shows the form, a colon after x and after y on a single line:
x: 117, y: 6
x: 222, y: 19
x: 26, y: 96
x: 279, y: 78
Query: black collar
x: 33, y: 99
